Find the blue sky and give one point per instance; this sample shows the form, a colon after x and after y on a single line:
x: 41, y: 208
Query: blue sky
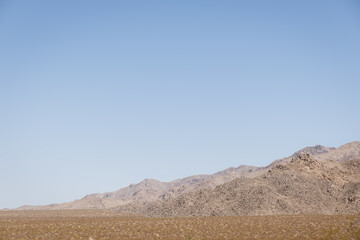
x: 96, y: 95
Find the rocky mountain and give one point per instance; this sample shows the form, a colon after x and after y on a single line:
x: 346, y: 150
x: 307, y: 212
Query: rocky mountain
x: 302, y: 186
x: 344, y: 153
x: 151, y: 190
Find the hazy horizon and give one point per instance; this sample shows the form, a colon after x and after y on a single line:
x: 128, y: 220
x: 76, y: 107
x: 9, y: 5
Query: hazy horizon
x: 95, y: 96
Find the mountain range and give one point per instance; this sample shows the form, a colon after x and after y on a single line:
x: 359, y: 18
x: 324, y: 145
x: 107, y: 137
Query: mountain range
x: 318, y: 179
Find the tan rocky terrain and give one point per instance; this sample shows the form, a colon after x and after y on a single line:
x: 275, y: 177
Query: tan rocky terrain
x: 303, y: 186
x: 137, y: 196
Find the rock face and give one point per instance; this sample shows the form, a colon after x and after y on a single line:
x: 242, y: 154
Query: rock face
x: 137, y: 197
x: 304, y: 186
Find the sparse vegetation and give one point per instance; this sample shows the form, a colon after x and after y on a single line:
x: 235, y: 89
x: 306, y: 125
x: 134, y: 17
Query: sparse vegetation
x: 95, y: 224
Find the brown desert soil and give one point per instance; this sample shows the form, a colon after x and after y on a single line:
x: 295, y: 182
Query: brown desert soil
x: 101, y: 224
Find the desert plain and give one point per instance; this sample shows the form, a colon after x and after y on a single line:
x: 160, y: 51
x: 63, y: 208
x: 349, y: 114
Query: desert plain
x: 103, y: 225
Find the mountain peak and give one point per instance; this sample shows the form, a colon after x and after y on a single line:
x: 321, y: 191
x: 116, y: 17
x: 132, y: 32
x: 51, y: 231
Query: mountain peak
x: 314, y: 150
x: 345, y: 152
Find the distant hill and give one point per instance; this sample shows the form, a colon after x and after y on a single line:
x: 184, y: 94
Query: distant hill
x: 137, y: 196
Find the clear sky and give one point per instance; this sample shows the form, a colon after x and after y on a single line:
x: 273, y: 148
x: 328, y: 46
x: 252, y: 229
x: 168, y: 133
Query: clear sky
x: 96, y: 95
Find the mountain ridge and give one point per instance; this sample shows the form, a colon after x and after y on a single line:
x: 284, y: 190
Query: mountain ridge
x: 151, y: 190
x: 302, y: 186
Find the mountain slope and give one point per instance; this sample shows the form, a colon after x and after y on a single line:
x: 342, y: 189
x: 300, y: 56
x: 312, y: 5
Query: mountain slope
x: 345, y: 152
x: 151, y: 190
x: 304, y: 185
